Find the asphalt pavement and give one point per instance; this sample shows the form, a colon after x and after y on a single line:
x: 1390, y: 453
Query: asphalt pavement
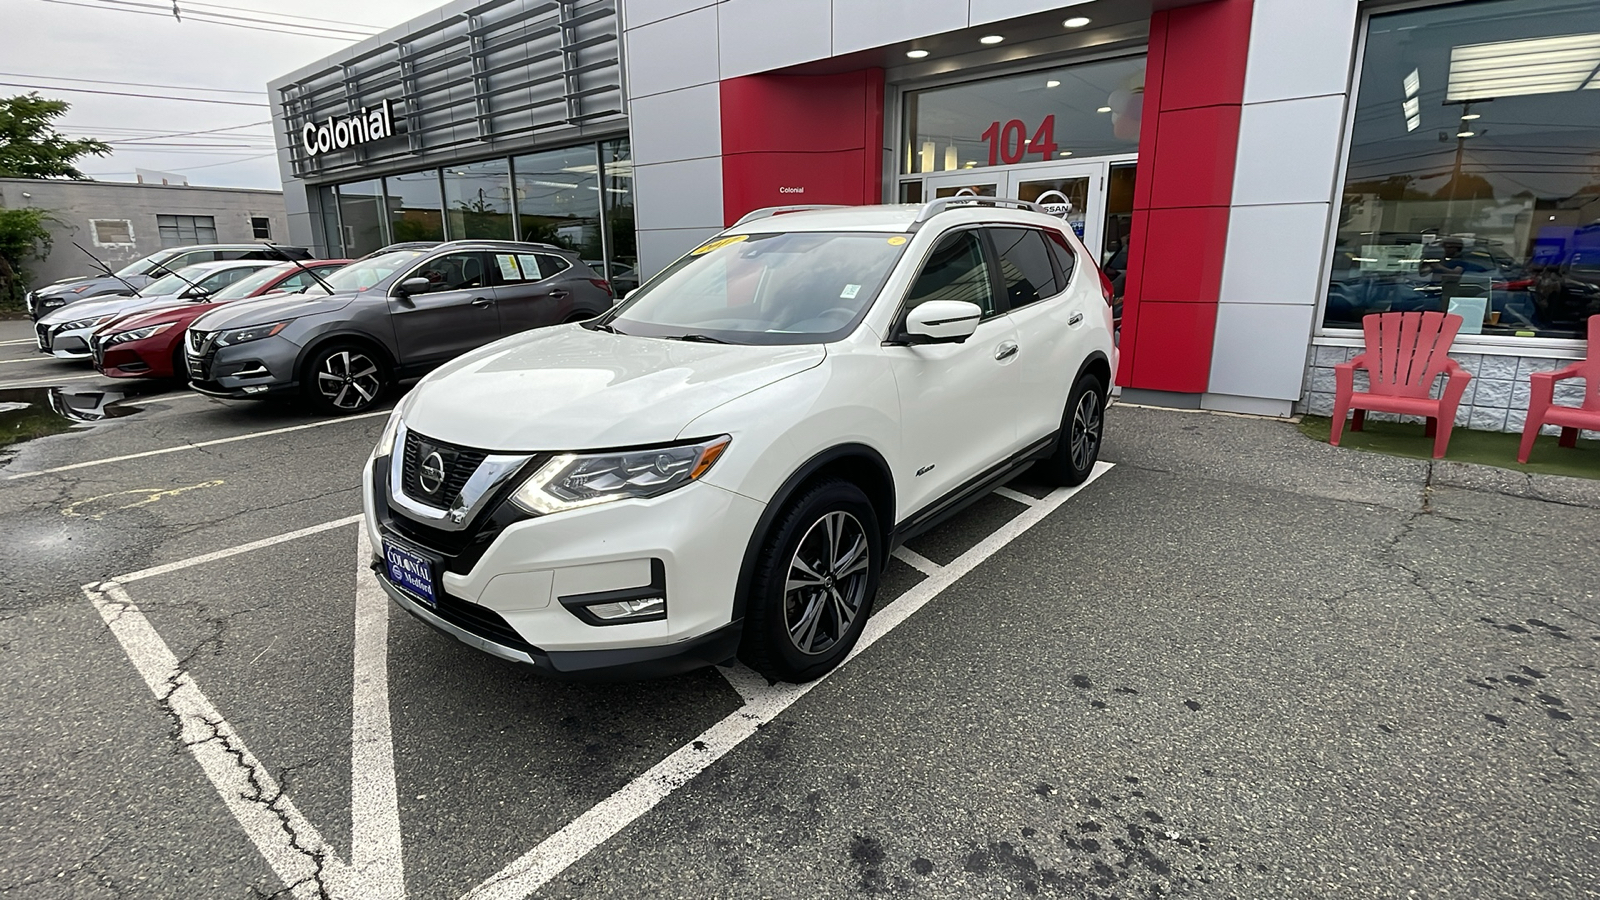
x: 1237, y: 664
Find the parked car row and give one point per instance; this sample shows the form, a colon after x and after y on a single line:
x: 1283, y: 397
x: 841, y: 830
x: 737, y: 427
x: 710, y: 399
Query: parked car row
x: 141, y: 272
x: 339, y: 332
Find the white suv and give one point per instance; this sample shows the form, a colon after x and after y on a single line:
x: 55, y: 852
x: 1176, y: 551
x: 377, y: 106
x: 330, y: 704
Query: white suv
x: 720, y: 465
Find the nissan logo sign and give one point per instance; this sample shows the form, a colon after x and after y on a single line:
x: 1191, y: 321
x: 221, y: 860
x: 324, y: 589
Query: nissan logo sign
x: 431, y: 476
x: 344, y: 132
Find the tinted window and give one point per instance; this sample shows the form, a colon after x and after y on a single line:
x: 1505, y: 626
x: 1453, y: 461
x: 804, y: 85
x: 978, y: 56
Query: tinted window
x: 1066, y: 260
x: 550, y: 264
x: 1025, y: 267
x: 451, y: 272
x: 955, y: 270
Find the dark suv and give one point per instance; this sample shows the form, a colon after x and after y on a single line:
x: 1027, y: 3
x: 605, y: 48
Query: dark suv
x: 146, y: 269
x: 389, y: 318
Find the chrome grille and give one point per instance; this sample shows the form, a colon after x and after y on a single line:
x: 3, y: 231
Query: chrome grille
x: 459, y: 464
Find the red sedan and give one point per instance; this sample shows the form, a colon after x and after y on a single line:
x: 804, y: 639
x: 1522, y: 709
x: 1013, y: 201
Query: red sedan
x: 149, y: 344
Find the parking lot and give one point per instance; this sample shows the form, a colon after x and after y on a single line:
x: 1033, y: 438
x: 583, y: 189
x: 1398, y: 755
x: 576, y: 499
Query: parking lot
x: 1235, y: 664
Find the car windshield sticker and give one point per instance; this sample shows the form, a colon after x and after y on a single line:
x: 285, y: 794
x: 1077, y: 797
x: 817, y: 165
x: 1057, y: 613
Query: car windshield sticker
x: 719, y: 242
x: 508, y: 267
x: 896, y: 241
x: 850, y: 291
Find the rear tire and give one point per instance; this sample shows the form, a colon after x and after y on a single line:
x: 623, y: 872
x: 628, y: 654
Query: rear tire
x: 814, y: 584
x: 1082, y: 432
x: 345, y: 379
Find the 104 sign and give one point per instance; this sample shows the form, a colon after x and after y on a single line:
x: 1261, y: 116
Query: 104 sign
x: 1008, y: 143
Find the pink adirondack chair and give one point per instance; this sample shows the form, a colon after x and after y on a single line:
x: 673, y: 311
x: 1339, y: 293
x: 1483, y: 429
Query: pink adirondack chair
x: 1542, y: 406
x: 1405, y: 354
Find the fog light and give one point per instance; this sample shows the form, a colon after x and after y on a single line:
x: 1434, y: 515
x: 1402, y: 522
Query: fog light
x: 629, y: 609
x: 255, y: 389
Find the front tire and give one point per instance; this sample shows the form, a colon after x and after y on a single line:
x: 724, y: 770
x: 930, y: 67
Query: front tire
x: 345, y: 379
x: 1082, y: 432
x: 815, y: 583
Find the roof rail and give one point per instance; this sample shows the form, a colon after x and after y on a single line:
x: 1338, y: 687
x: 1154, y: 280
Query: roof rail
x: 934, y: 207
x: 771, y: 211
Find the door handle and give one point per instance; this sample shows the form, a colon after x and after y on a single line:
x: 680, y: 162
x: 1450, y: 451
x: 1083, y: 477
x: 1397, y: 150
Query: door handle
x: 1075, y: 318
x: 481, y: 301
x: 559, y: 294
x: 1005, y: 351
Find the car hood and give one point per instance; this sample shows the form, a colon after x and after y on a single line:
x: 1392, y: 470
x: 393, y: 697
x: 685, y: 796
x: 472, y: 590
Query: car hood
x: 92, y: 285
x: 182, y: 313
x: 268, y: 308
x: 569, y: 388
x: 101, y: 306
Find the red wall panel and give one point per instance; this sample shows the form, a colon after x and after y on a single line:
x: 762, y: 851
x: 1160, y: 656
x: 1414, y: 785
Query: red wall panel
x: 792, y: 139
x: 1211, y: 46
x: 1194, y: 157
x: 1182, y: 259
x: 1174, y: 342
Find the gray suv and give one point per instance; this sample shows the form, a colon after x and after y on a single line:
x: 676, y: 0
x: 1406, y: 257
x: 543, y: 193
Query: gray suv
x: 388, y: 319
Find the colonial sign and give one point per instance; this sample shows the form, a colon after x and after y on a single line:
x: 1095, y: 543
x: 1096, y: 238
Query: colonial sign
x: 344, y: 132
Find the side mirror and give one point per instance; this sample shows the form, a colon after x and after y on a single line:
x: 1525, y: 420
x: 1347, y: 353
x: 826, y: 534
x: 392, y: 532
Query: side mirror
x: 417, y: 285
x: 942, y: 322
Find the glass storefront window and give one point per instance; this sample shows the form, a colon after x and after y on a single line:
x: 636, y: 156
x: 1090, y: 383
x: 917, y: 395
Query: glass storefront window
x: 1083, y: 110
x: 1471, y: 184
x: 361, y: 216
x: 415, y: 210
x: 616, y: 193
x: 477, y: 199
x: 557, y: 194
x: 331, y: 239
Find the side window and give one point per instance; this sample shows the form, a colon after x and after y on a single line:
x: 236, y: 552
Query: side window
x: 551, y: 265
x: 1066, y: 260
x: 1025, y: 267
x: 955, y: 270
x: 452, y: 272
x: 224, y: 278
x: 294, y: 282
x: 529, y: 264
x: 185, y: 259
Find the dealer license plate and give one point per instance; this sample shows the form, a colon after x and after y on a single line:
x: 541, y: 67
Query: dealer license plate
x: 411, y: 572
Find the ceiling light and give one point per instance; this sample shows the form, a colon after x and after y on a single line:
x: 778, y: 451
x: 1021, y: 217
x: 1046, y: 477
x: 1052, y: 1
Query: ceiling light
x: 1470, y: 116
x: 1066, y: 153
x: 916, y: 54
x: 1104, y: 109
x: 990, y: 39
x: 1052, y: 83
x: 1465, y: 134
x: 1076, y: 22
x: 1551, y: 65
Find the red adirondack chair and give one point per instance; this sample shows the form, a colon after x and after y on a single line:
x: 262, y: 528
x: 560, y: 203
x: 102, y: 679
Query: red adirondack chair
x: 1404, y: 356
x: 1542, y: 407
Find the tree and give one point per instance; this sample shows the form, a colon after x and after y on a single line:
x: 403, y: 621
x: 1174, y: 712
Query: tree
x: 23, y: 236
x: 29, y: 144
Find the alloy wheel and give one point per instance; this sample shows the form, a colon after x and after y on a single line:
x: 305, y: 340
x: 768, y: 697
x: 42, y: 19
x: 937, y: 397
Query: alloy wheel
x: 348, y: 379
x: 827, y: 583
x: 1086, y: 425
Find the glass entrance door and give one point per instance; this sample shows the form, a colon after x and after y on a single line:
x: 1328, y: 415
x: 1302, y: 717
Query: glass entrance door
x: 977, y: 183
x: 1074, y: 193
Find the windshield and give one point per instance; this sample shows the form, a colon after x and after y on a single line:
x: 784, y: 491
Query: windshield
x: 174, y: 283
x: 141, y: 266
x: 251, y: 283
x: 358, y: 276
x: 793, y: 288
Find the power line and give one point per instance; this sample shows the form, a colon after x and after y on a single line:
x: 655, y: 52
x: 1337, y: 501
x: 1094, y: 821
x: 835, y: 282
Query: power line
x: 127, y: 94
x: 290, y: 28
x: 154, y: 133
x: 196, y: 14
x: 287, y: 15
x: 175, y: 87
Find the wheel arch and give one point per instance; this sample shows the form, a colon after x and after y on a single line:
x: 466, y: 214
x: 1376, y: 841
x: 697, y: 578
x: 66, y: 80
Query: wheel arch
x: 858, y: 464
x: 1097, y: 364
x: 321, y: 341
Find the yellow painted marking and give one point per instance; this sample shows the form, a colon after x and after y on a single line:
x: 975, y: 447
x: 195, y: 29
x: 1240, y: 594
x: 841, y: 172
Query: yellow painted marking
x: 146, y: 497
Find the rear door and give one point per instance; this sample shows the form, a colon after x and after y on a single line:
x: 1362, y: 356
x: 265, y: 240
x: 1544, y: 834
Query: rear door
x: 456, y: 314
x: 1051, y: 322
x: 528, y: 291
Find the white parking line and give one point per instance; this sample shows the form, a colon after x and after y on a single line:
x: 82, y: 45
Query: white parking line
x: 608, y: 817
x: 1018, y: 496
x: 21, y: 341
x: 45, y: 382
x: 917, y: 561
x: 7, y: 362
x: 375, y: 851
x: 195, y: 446
x: 215, y: 555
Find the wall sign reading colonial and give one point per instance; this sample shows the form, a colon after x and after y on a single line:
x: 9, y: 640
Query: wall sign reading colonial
x: 344, y: 132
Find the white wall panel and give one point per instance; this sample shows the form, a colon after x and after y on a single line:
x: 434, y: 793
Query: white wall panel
x: 658, y: 248
x: 684, y: 124
x: 1288, y: 151
x: 995, y: 10
x: 1300, y: 49
x: 1260, y: 350
x: 863, y: 24
x: 761, y: 35
x: 1274, y: 253
x: 686, y: 194
x: 643, y: 12
x: 673, y: 53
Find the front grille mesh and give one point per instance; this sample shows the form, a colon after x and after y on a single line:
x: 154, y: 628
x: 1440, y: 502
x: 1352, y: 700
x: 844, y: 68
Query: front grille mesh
x: 459, y: 464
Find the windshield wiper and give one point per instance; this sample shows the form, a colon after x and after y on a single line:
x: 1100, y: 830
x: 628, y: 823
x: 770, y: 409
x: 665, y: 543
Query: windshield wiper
x: 699, y: 338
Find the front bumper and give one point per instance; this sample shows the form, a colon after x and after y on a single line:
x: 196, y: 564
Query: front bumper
x: 514, y: 597
x: 132, y: 359
x: 71, y: 344
x: 252, y: 370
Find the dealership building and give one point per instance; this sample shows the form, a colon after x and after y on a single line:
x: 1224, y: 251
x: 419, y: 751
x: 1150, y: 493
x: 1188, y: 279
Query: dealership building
x: 1254, y: 175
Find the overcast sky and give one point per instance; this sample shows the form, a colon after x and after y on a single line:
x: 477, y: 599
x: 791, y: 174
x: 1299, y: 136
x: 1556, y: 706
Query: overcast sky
x: 42, y: 43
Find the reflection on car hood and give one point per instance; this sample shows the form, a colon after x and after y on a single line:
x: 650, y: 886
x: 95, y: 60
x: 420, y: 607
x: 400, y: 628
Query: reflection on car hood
x: 182, y: 313
x: 100, y: 306
x: 269, y: 308
x: 569, y: 388
x: 97, y: 284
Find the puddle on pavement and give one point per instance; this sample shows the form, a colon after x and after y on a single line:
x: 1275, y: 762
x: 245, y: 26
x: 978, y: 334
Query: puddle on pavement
x: 28, y: 413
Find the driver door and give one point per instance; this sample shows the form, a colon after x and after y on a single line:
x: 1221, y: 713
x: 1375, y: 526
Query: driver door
x: 456, y: 314
x: 957, y: 401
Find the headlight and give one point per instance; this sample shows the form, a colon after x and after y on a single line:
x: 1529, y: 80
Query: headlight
x: 253, y: 333
x: 137, y: 334
x: 386, y: 439
x: 84, y: 323
x: 572, y: 481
